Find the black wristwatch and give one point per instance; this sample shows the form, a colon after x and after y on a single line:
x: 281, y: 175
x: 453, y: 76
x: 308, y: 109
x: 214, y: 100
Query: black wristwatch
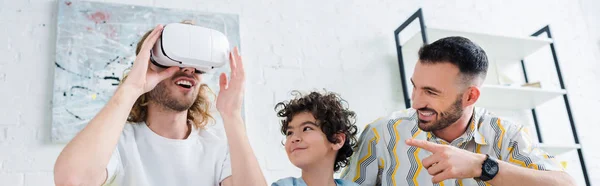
x: 489, y: 169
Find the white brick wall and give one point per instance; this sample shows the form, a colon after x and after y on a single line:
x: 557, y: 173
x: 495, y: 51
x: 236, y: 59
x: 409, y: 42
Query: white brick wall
x: 12, y: 178
x: 343, y: 46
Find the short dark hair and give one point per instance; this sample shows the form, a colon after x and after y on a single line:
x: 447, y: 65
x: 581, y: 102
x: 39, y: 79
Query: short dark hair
x: 332, y: 115
x: 470, y: 59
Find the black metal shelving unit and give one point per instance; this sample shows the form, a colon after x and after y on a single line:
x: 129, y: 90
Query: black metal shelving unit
x: 419, y: 15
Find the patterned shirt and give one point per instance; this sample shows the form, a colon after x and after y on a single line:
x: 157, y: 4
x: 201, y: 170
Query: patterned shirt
x: 383, y: 158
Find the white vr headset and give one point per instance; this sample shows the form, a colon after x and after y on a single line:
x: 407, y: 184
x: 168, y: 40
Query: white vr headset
x: 186, y: 45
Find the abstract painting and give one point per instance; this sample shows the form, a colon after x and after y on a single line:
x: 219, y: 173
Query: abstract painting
x: 95, y: 46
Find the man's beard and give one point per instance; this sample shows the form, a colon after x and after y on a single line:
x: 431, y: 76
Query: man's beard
x: 447, y: 118
x: 162, y: 95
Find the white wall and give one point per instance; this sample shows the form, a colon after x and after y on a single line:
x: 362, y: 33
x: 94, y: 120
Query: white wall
x: 343, y: 46
x: 591, y: 13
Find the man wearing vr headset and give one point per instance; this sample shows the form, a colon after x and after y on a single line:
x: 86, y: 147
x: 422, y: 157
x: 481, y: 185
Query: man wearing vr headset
x: 165, y: 140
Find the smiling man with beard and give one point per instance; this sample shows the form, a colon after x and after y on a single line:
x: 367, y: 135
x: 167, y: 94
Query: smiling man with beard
x: 444, y: 139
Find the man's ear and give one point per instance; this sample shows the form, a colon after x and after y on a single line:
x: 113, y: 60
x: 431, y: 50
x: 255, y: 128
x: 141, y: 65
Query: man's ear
x: 340, y: 140
x: 471, y: 96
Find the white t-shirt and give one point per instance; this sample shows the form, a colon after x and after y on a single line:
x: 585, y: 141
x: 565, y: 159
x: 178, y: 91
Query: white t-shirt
x: 145, y: 158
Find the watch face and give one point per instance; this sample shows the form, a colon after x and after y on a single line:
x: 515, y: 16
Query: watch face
x: 491, y: 168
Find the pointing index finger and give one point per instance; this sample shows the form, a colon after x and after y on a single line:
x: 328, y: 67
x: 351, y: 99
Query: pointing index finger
x: 431, y: 147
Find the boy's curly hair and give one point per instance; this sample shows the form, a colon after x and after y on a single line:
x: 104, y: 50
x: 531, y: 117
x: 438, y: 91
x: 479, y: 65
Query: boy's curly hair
x: 332, y: 115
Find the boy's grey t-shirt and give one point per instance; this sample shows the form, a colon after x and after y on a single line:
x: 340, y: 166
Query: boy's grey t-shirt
x: 143, y: 157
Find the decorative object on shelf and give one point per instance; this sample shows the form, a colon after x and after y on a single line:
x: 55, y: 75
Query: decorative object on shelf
x: 533, y: 84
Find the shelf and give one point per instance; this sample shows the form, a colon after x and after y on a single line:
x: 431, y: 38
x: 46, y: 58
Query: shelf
x: 495, y: 46
x: 507, y: 97
x: 556, y: 150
